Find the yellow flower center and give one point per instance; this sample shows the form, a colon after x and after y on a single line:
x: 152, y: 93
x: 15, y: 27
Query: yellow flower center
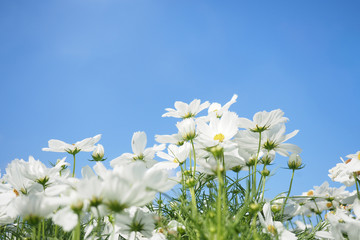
x: 220, y: 137
x: 359, y: 156
x: 16, y: 192
x: 271, y: 229
x: 329, y: 204
x: 310, y: 193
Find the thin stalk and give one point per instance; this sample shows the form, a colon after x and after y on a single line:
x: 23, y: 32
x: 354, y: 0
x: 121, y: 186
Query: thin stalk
x: 219, y: 204
x: 43, y: 229
x: 192, y: 143
x: 288, y: 194
x: 256, y: 160
x: 98, y: 227
x: 73, y: 173
x: 56, y: 230
x: 193, y: 201
x: 76, y: 231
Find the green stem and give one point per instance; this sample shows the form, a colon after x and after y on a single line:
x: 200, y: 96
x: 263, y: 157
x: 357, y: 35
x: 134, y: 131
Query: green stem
x: 43, y: 229
x: 56, y: 230
x: 193, y: 201
x: 256, y: 160
x: 192, y: 143
x: 98, y: 227
x: 33, y: 235
x: 73, y: 173
x: 219, y: 204
x: 288, y: 194
x: 76, y: 231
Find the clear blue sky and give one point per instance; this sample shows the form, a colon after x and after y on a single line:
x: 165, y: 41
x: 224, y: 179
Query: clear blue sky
x: 71, y: 69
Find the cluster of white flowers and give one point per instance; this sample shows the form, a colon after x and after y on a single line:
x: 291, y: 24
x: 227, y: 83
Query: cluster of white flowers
x: 207, y: 145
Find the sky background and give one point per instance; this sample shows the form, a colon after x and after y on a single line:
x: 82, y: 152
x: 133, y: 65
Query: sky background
x: 72, y: 69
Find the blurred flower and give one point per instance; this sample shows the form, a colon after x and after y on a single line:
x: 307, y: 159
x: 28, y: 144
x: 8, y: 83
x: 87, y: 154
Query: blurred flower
x: 34, y: 207
x: 275, y: 228
x: 135, y: 223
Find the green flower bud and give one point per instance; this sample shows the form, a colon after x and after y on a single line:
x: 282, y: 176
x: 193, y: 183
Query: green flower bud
x: 265, y: 172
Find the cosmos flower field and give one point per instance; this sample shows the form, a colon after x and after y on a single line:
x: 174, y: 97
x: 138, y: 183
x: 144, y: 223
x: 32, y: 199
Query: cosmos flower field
x: 207, y: 181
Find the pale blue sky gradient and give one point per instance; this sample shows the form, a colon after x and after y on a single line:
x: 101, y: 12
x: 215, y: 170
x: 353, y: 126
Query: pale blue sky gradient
x: 73, y: 69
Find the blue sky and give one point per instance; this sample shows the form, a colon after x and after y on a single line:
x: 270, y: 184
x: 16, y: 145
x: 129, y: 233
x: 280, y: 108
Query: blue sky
x: 73, y: 69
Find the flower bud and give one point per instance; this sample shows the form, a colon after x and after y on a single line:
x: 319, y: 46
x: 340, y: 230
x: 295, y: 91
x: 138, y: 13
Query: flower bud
x: 265, y: 172
x: 190, y: 182
x: 98, y: 153
x: 275, y: 208
x: 295, y: 161
x: 254, y: 207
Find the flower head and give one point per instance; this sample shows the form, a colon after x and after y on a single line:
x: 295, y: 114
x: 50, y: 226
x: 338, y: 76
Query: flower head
x: 183, y: 110
x: 86, y: 145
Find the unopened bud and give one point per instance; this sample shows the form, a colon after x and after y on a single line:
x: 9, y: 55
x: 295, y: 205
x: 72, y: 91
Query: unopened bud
x: 265, y: 172
x: 98, y: 153
x: 190, y: 182
x: 237, y: 168
x: 275, y: 208
x: 254, y: 207
x: 295, y: 161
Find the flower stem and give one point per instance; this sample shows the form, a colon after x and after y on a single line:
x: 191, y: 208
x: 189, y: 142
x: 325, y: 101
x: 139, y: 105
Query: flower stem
x: 288, y: 194
x: 73, y: 173
x: 256, y: 160
x: 76, y: 231
x: 219, y: 203
x: 192, y: 143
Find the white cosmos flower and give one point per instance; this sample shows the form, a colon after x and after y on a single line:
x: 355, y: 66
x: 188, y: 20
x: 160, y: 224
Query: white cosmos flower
x: 209, y: 165
x: 341, y: 222
x: 187, y: 129
x: 275, y: 228
x: 176, y: 155
x: 141, y: 153
x: 68, y: 216
x: 344, y: 172
x: 16, y: 176
x: 86, y: 145
x: 133, y: 185
x: 34, y: 207
x: 38, y: 172
x: 218, y: 109
x: 135, y: 223
x: 184, y: 110
x: 263, y: 120
x: 218, y: 131
x: 273, y: 139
